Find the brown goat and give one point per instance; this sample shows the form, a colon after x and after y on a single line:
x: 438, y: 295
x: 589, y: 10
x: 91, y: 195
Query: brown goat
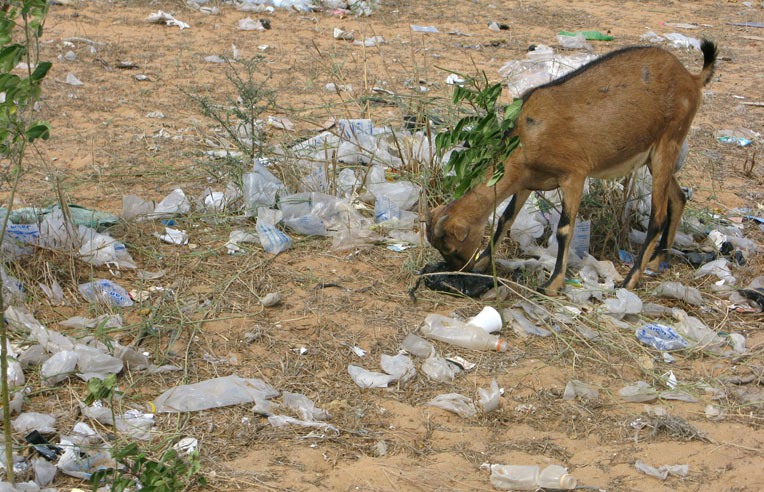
x: 628, y: 108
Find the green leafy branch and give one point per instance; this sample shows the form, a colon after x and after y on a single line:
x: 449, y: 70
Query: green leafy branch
x: 482, y: 140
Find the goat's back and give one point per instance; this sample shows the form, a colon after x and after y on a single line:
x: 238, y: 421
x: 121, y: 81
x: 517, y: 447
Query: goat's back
x: 610, y: 110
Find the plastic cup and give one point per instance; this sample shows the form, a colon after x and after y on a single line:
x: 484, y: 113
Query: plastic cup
x: 488, y: 319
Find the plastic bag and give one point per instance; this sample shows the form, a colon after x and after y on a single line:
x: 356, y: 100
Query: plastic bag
x: 106, y: 292
x: 214, y: 393
x: 489, y: 399
x: 455, y: 403
x: 661, y: 337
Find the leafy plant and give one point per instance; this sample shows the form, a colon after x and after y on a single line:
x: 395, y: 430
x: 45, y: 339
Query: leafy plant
x: 482, y: 140
x: 240, y: 116
x: 101, y: 389
x: 22, y: 20
x: 172, y: 472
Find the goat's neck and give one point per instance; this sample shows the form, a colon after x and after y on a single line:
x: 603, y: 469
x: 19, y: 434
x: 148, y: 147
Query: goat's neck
x: 480, y: 202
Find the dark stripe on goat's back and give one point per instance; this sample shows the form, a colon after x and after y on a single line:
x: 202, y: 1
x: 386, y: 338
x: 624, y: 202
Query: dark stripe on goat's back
x: 583, y: 68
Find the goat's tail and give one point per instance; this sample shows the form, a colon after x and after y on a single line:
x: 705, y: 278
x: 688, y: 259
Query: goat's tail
x: 710, y: 51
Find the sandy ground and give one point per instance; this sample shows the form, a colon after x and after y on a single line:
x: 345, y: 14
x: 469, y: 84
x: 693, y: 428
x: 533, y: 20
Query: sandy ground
x: 104, y: 145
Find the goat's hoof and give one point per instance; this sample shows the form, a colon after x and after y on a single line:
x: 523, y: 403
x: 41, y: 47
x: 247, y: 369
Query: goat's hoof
x: 552, y: 288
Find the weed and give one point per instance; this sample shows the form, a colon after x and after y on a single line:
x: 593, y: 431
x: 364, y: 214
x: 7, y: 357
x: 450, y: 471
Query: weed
x: 240, y: 118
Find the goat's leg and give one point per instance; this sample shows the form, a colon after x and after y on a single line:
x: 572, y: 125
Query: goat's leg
x: 502, y: 226
x: 572, y: 189
x: 663, y: 175
x: 676, y: 202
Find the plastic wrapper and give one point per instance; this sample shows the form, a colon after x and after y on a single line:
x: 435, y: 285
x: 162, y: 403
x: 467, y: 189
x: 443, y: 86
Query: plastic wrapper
x: 454, y: 403
x: 578, y: 389
x: 626, y: 302
x: 489, y: 399
x: 676, y: 290
x: 15, y: 374
x: 661, y: 337
x: 260, y: 189
x: 271, y: 238
x: 92, y: 362
x: 214, y: 393
x: 439, y: 369
x: 59, y: 367
x: 369, y: 379
x: 398, y: 366
x: 638, y: 392
x: 106, y: 292
x: 662, y: 472
x: 417, y: 346
x: 522, y: 325
x: 303, y: 406
x: 31, y: 421
x: 44, y: 472
x: 176, y: 203
x: 283, y: 420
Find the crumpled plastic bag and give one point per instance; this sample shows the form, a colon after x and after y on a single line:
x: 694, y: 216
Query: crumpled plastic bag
x: 454, y: 403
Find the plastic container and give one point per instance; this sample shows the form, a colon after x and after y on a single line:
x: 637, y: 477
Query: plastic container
x: 455, y: 332
x: 521, y: 477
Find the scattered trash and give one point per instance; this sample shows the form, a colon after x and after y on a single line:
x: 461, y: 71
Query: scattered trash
x: 431, y: 29
x: 638, y: 392
x: 663, y: 471
x: 248, y: 24
x: 343, y: 35
x: 743, y: 137
x: 452, y: 283
x: 173, y: 236
x: 106, y: 292
x: 72, y: 79
x: 676, y: 290
x: 455, y: 332
x: 541, y: 65
x: 271, y: 299
x: 161, y: 17
x: 397, y: 368
x: 454, y: 403
x: 417, y: 346
x: 588, y: 35
x: 626, y: 303
x: 439, y: 369
x: 661, y: 337
x: 578, y: 389
x: 524, y: 477
x: 489, y: 399
x: 214, y: 393
x: 498, y: 26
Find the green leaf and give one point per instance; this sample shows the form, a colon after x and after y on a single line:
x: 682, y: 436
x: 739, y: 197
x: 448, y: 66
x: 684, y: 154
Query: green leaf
x: 38, y: 130
x: 40, y: 71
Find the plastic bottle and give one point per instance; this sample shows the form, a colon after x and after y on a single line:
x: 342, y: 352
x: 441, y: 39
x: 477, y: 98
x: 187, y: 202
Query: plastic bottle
x: 520, y: 477
x: 455, y: 332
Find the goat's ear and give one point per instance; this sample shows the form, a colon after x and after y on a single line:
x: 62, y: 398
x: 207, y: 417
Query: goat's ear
x: 438, y: 228
x: 460, y: 230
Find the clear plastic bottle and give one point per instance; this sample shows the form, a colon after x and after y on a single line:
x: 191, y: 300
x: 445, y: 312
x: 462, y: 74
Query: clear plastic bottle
x: 455, y: 332
x: 521, y: 477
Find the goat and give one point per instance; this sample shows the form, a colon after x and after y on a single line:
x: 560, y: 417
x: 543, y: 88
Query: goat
x: 628, y: 108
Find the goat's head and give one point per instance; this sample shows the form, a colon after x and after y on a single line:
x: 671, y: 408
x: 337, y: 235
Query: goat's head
x: 457, y: 239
